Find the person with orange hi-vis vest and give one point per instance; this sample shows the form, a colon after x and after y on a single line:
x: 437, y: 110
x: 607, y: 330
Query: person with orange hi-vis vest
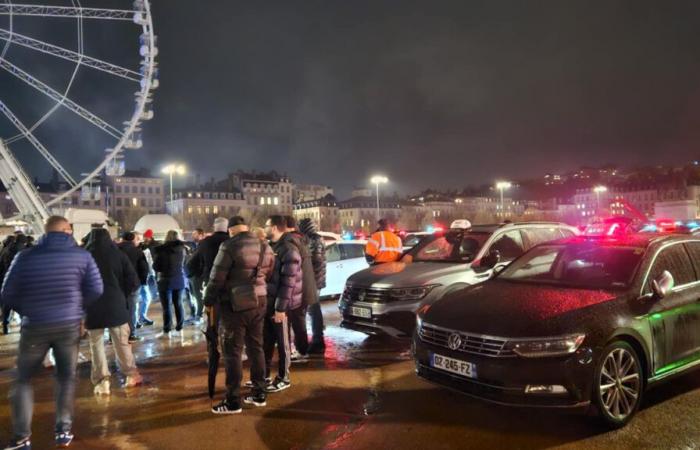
x: 383, y: 246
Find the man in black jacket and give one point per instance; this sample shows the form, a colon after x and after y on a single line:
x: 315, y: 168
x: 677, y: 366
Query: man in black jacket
x: 284, y: 293
x: 14, y: 246
x: 317, y: 252
x: 200, y: 264
x: 140, y: 265
x: 237, y: 291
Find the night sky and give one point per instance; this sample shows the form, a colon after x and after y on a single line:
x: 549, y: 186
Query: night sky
x: 430, y: 93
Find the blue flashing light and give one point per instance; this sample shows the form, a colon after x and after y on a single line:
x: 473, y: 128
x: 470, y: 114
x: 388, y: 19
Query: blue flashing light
x: 651, y: 228
x: 430, y: 229
x: 347, y: 236
x: 692, y: 225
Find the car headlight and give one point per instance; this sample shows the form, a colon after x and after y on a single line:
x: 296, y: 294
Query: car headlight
x: 411, y: 293
x: 554, y: 346
x: 420, y: 314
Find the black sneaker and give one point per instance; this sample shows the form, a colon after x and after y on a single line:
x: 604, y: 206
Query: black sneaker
x: 227, y: 408
x: 134, y: 338
x: 258, y: 400
x: 147, y: 322
x: 317, y: 348
x: 299, y: 358
x: 249, y: 383
x: 19, y: 444
x: 64, y: 439
x: 278, y: 385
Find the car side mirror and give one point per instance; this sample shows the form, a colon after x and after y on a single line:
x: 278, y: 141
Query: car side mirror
x: 662, y: 285
x: 489, y: 261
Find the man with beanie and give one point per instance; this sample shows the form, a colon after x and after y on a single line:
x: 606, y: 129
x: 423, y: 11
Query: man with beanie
x: 237, y: 293
x: 202, y: 260
x: 317, y: 251
x: 138, y: 261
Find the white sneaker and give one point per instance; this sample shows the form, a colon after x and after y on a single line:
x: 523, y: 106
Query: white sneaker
x: 82, y: 358
x: 49, y: 360
x: 133, y: 381
x: 102, y: 388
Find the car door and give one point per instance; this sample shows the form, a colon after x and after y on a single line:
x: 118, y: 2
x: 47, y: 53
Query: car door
x: 675, y: 319
x: 335, y: 283
x: 509, y: 245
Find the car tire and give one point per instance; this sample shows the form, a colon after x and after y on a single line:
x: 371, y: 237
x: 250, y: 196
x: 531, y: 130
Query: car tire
x: 618, y: 384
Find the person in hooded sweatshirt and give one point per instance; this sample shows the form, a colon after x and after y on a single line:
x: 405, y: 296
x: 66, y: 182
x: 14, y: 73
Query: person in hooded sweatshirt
x: 19, y: 243
x: 169, y: 263
x: 111, y: 312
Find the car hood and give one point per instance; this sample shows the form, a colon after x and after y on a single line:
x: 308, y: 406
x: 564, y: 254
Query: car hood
x: 505, y: 309
x: 399, y: 274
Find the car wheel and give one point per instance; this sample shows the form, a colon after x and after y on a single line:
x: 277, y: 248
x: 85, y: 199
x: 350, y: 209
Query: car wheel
x: 618, y: 384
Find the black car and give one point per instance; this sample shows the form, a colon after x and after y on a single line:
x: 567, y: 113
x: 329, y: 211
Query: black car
x: 572, y: 323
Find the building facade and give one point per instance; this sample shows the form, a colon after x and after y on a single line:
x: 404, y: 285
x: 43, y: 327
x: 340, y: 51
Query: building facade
x: 268, y: 189
x: 323, y: 211
x: 307, y: 192
x: 133, y: 195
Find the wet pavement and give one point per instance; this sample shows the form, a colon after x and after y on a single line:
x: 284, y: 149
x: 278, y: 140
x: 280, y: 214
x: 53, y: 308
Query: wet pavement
x: 362, y: 395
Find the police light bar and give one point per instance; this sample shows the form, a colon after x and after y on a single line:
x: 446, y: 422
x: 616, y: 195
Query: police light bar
x: 461, y: 224
x: 608, y: 228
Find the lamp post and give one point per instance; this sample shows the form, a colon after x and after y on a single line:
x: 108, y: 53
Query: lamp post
x: 170, y: 170
x: 502, y: 186
x: 377, y: 180
x: 599, y: 190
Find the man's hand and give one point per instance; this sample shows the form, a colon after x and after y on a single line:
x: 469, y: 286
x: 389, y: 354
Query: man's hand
x: 279, y: 317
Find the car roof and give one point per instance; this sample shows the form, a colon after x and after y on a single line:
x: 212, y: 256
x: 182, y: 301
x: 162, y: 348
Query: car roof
x: 491, y: 227
x: 352, y: 241
x: 639, y: 240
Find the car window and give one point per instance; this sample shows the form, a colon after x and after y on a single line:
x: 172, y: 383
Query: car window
x: 537, y: 236
x: 349, y: 251
x: 411, y: 240
x: 332, y: 253
x: 676, y: 260
x: 694, y: 250
x: 454, y: 246
x: 509, y: 245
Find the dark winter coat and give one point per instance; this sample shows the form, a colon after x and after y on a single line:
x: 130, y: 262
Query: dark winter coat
x: 235, y: 265
x: 202, y: 261
x: 169, y: 263
x: 284, y: 288
x: 318, y: 258
x: 8, y: 253
x: 52, y: 283
x: 137, y: 259
x: 120, y: 280
x: 309, y: 292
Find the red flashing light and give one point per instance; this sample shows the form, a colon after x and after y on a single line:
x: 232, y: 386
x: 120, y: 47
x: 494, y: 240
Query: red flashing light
x: 438, y: 230
x: 665, y: 225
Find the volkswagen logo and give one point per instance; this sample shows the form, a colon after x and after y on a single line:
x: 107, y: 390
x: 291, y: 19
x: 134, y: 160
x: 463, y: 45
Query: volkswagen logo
x: 361, y: 296
x: 454, y: 342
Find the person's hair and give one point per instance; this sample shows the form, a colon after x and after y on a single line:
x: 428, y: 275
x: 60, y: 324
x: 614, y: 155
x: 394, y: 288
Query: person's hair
x: 259, y: 233
x: 278, y: 221
x: 128, y: 236
x: 291, y: 222
x: 55, y: 223
x: 172, y: 235
x: 220, y: 224
x: 199, y: 230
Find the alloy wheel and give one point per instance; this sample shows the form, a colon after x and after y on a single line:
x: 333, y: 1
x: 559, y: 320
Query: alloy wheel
x: 620, y: 384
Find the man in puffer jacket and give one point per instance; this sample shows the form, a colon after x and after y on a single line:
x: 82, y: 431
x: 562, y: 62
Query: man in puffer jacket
x: 317, y: 250
x: 111, y: 311
x: 284, y: 293
x: 49, y: 285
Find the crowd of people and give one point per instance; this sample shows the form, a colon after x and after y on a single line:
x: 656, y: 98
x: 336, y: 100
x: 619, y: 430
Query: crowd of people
x: 255, y: 287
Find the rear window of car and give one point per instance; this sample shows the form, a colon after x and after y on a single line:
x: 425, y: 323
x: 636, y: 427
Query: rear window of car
x: 350, y: 251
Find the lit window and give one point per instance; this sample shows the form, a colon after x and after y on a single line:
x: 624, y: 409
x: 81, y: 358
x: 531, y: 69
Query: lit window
x: 262, y: 200
x: 134, y: 201
x: 189, y: 210
x: 215, y: 210
x: 276, y: 200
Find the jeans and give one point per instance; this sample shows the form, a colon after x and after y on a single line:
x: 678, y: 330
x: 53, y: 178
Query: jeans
x: 166, y: 297
x: 122, y: 349
x: 236, y: 329
x: 316, y: 323
x: 34, y: 343
x: 297, y: 322
x: 276, y: 334
x: 148, y: 292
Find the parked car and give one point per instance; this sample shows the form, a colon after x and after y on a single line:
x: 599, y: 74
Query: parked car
x: 573, y: 323
x: 411, y: 238
x: 343, y: 259
x: 329, y: 238
x: 384, y: 298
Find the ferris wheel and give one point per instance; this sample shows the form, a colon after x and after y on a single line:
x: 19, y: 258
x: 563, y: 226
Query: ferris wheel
x: 143, y: 77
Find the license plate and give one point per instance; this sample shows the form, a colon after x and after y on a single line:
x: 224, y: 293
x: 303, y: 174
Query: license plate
x: 365, y: 313
x: 457, y: 366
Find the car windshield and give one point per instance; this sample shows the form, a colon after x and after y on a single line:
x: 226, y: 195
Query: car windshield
x: 588, y: 266
x: 454, y: 246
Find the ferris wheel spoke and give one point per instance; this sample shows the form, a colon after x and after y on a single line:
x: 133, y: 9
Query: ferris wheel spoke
x: 38, y: 145
x: 60, y: 99
x: 70, y: 55
x: 65, y: 11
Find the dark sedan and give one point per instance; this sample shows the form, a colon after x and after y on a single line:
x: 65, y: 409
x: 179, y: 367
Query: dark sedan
x: 569, y: 324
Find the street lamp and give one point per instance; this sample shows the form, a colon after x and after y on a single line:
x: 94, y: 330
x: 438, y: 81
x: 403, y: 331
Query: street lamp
x: 170, y: 170
x: 599, y: 190
x: 377, y: 180
x: 502, y: 186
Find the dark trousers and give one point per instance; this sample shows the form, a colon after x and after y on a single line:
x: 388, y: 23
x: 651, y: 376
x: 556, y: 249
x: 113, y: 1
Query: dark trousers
x: 6, y: 313
x: 197, y: 300
x: 34, y: 343
x: 132, y: 303
x: 166, y: 297
x: 316, y: 323
x: 276, y: 335
x: 236, y: 329
x: 297, y: 322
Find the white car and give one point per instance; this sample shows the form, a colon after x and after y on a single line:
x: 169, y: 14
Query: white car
x: 329, y: 238
x: 343, y: 258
